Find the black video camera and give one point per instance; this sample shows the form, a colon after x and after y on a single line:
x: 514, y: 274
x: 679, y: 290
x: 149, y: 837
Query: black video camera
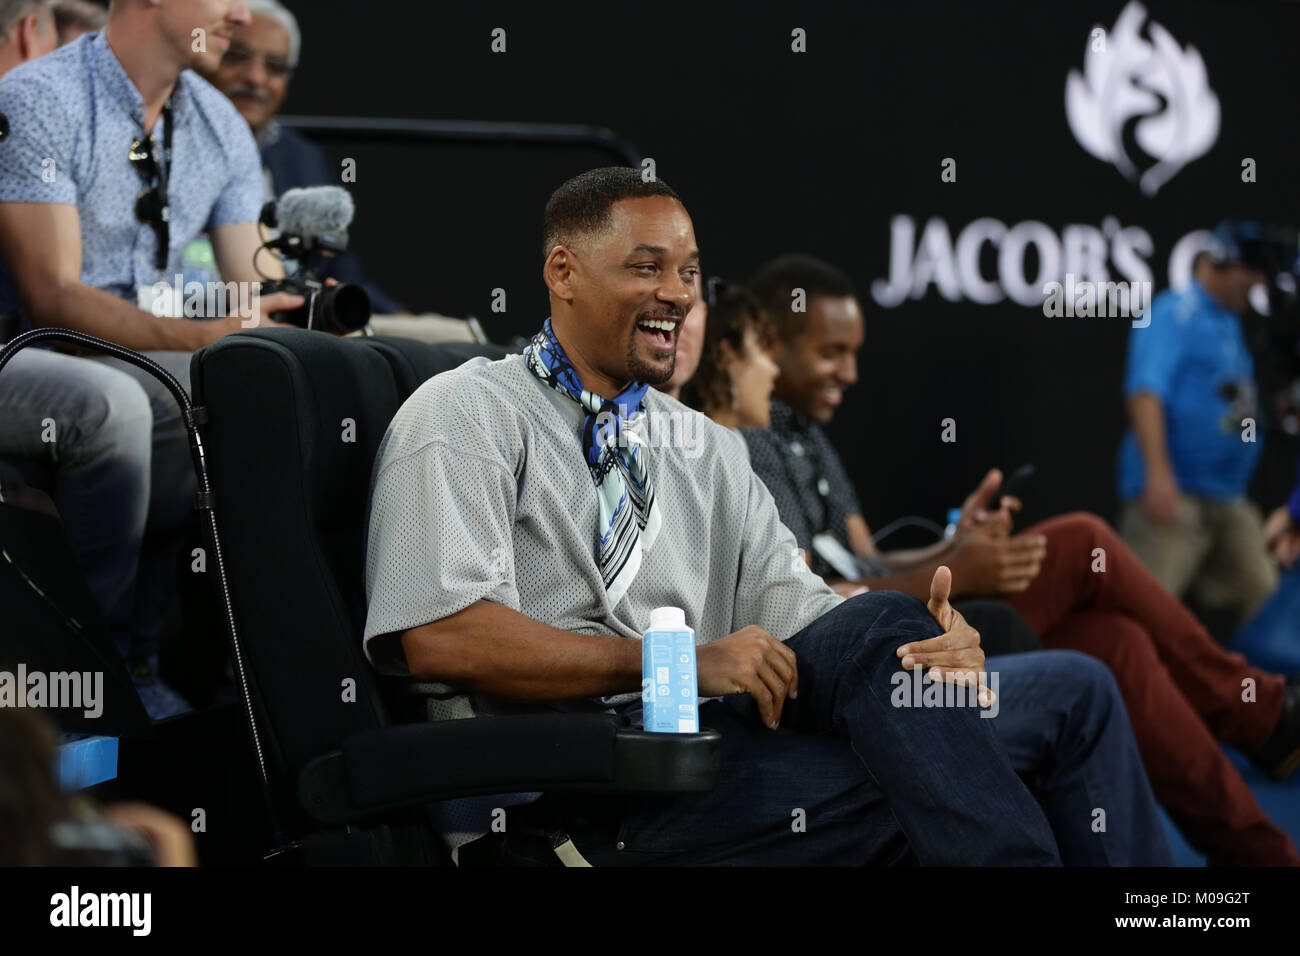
x: 338, y: 308
x: 313, y: 227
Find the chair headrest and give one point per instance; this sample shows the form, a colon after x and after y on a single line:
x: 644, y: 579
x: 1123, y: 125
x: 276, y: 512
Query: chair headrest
x: 294, y: 421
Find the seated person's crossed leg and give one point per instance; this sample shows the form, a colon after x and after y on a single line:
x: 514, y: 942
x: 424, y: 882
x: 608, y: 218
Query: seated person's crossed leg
x: 528, y: 514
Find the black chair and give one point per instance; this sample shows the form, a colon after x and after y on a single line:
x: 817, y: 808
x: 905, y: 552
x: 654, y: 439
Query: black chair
x: 293, y: 421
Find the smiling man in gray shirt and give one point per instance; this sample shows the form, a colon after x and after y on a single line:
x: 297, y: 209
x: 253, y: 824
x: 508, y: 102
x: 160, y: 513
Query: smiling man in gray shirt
x: 528, y: 514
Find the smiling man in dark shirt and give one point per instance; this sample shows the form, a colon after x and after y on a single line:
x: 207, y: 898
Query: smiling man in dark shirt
x: 1183, y: 691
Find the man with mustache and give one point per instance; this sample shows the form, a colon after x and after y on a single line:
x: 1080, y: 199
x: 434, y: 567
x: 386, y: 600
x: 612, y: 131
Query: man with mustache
x: 527, y: 515
x: 255, y: 72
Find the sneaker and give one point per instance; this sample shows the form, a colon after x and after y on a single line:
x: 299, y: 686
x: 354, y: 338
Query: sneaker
x: 1280, y: 755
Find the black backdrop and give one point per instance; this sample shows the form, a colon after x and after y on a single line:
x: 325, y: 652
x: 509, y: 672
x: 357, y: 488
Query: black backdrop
x: 777, y: 151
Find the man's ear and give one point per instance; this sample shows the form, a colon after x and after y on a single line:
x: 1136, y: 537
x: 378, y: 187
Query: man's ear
x: 26, y: 35
x: 557, y: 273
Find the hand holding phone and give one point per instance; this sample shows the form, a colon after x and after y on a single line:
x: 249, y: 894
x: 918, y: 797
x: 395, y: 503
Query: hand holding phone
x: 1015, y: 486
x: 1005, y: 501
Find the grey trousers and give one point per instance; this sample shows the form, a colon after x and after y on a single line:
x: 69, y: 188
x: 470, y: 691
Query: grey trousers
x: 1216, y: 548
x: 123, y: 482
x: 172, y: 484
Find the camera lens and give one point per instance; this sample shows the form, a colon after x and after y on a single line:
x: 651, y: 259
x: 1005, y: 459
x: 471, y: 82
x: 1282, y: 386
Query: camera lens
x: 344, y: 307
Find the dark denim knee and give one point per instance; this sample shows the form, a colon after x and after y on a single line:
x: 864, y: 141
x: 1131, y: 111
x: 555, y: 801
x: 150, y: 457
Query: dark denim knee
x: 1089, y: 681
x: 883, y: 608
x: 875, y: 623
x: 851, y: 647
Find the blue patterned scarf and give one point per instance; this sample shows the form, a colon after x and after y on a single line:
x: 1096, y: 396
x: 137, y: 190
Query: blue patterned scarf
x: 615, y: 451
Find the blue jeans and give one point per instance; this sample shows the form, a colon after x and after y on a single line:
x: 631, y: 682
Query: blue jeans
x: 851, y: 779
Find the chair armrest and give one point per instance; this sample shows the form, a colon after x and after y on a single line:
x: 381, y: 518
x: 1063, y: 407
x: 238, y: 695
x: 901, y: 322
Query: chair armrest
x: 378, y: 771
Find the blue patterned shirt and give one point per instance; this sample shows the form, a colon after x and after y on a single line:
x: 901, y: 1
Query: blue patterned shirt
x: 72, y: 116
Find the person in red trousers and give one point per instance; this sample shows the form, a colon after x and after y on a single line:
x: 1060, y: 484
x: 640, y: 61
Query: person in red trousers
x: 1071, y: 578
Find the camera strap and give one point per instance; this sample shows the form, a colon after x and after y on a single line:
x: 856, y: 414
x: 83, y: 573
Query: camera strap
x: 163, y: 162
x: 164, y: 167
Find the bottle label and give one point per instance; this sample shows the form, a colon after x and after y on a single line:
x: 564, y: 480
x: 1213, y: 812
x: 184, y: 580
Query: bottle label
x: 669, y: 696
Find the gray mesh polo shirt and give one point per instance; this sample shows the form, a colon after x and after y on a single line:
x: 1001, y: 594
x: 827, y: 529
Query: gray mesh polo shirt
x: 480, y: 491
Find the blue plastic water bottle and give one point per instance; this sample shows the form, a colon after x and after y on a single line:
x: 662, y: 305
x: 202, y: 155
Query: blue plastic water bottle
x: 668, y: 689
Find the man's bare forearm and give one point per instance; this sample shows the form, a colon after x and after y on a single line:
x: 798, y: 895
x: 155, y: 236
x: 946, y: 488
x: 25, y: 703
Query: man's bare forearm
x: 99, y: 313
x: 1148, y: 417
x: 490, y: 649
x: 913, y: 581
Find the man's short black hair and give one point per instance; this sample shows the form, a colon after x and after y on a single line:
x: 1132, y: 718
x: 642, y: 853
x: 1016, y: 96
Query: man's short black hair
x: 774, y: 285
x: 583, y: 203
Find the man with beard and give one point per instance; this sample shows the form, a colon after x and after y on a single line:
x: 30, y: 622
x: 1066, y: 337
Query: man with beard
x: 527, y: 515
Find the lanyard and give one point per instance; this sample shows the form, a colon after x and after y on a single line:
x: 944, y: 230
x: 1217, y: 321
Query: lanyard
x: 164, y: 168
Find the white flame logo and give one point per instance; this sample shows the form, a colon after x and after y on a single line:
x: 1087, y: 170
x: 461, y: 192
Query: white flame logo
x: 1136, y: 97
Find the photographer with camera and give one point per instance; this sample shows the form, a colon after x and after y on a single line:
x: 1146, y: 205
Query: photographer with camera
x: 1187, y: 460
x: 114, y: 155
